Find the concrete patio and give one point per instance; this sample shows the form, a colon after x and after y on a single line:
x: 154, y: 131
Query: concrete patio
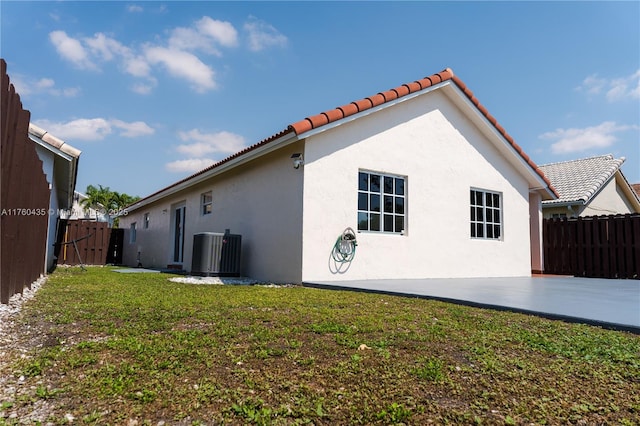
x: 608, y: 303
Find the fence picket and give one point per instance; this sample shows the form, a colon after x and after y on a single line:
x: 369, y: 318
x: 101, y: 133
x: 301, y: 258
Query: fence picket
x: 593, y: 246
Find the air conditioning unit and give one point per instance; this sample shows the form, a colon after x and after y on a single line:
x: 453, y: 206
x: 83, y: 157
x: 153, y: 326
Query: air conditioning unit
x: 216, y: 254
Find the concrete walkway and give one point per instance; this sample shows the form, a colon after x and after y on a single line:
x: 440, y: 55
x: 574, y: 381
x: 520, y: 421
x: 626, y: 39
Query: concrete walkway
x: 608, y: 303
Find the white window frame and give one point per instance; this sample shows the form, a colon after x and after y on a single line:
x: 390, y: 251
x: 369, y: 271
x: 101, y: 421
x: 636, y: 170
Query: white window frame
x: 485, y: 217
x: 382, y: 206
x: 206, y: 206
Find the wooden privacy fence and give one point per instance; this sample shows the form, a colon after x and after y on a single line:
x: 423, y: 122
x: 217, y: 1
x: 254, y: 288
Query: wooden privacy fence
x: 593, y: 246
x: 24, y: 197
x: 91, y: 240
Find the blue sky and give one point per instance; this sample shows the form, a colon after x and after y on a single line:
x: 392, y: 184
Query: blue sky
x: 152, y: 92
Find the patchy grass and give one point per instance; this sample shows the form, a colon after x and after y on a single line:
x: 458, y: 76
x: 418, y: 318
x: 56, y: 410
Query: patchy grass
x: 113, y: 348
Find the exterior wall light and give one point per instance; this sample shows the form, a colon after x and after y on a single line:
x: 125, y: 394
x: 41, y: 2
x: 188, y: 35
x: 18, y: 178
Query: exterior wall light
x: 298, y: 160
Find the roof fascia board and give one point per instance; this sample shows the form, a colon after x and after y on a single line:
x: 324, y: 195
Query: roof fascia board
x: 51, y: 148
x: 555, y: 203
x: 281, y: 142
x: 366, y: 112
x: 504, y: 146
x: 71, y: 166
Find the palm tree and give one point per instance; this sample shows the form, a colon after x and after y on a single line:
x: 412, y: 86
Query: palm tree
x: 109, y: 202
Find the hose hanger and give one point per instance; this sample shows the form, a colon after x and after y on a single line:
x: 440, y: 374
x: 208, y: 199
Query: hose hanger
x: 344, y: 250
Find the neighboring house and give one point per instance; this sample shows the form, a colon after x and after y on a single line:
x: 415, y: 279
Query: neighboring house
x: 60, y: 165
x: 432, y: 185
x: 79, y: 211
x: 636, y: 188
x: 589, y: 187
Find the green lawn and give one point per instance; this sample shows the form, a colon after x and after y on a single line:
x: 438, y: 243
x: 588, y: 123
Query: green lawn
x: 121, y: 347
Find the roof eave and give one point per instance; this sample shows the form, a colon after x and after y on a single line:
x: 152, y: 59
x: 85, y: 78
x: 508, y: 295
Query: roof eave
x: 502, y: 141
x: 222, y: 167
x: 71, y: 157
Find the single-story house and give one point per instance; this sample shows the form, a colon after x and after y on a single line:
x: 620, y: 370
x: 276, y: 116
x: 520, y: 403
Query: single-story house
x: 591, y: 186
x: 60, y: 166
x: 79, y: 211
x: 419, y: 181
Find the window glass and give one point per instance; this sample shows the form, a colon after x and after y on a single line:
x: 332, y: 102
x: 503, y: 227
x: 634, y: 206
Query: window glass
x: 486, y: 214
x: 381, y: 202
x: 363, y: 181
x: 206, y: 203
x: 363, y: 203
x: 374, y: 181
x: 374, y: 205
x: 388, y: 185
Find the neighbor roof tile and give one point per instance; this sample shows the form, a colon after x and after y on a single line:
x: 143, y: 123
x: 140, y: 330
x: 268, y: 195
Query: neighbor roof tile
x: 579, y: 180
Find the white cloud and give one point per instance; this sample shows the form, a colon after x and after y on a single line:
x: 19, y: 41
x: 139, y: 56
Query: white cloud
x: 133, y: 8
x: 184, y: 65
x: 181, y: 54
x: 71, y: 49
x: 190, y: 165
x: 205, y: 36
x: 142, y: 89
x: 626, y: 87
x: 263, y: 35
x: 86, y: 129
x: 134, y: 129
x: 106, y: 47
x: 222, y: 32
x: 94, y: 129
x: 45, y: 83
x: 614, y: 89
x: 189, y: 39
x: 577, y: 140
x: 209, y: 143
x: 26, y: 87
x: 70, y: 92
x: 137, y: 66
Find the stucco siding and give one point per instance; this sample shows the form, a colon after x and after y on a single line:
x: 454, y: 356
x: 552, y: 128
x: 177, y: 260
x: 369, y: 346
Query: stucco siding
x: 261, y: 200
x: 48, y: 161
x: 610, y: 200
x: 443, y: 155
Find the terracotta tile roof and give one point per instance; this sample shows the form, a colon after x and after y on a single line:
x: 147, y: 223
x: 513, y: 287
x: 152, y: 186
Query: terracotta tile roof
x: 55, y: 142
x: 355, y: 107
x: 636, y: 188
x: 577, y: 181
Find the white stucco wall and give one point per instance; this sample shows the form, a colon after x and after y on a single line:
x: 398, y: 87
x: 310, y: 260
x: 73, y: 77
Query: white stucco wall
x: 48, y: 161
x: 263, y: 204
x: 443, y: 155
x: 610, y: 200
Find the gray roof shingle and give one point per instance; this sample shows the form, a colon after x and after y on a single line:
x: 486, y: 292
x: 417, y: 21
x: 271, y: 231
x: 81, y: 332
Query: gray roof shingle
x: 580, y: 180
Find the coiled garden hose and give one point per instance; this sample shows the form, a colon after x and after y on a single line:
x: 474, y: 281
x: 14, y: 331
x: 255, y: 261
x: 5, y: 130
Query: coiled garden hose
x: 344, y: 250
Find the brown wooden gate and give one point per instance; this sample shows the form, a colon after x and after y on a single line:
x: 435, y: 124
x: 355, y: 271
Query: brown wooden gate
x: 92, y: 242
x: 24, y: 197
x: 593, y: 246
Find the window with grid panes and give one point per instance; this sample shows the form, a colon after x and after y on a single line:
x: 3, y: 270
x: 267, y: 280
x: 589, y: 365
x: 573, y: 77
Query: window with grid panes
x: 486, y: 214
x: 206, y: 203
x: 381, y: 202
